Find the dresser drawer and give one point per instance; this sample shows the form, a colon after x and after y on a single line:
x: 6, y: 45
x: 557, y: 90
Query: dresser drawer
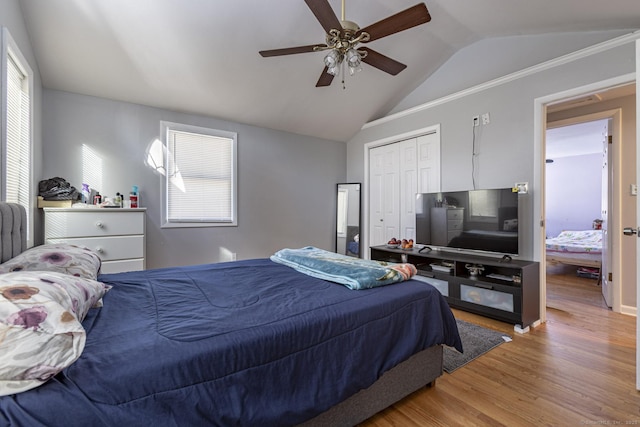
x: 455, y: 225
x: 109, y: 248
x: 455, y: 214
x: 104, y: 222
x: 121, y: 266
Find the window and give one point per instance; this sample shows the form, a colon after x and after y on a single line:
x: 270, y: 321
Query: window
x: 483, y: 206
x: 17, y: 125
x: 483, y: 203
x: 200, y: 177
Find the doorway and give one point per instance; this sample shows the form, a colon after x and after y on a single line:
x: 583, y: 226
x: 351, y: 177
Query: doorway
x: 577, y: 202
x: 604, y: 100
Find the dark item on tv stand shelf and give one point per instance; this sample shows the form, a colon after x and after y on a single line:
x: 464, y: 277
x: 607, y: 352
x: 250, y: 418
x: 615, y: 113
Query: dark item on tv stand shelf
x: 507, y: 290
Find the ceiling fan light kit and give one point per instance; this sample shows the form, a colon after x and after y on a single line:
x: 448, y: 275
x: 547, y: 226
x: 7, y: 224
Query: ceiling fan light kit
x: 343, y: 38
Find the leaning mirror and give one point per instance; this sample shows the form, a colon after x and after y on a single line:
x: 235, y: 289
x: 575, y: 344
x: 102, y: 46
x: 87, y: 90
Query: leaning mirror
x: 348, y: 220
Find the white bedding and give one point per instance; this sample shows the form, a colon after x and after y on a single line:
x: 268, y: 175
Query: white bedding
x: 584, y: 241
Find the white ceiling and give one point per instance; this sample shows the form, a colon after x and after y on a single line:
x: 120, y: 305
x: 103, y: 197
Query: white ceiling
x: 201, y: 56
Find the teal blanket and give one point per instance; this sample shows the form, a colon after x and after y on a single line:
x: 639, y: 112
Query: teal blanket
x: 354, y: 273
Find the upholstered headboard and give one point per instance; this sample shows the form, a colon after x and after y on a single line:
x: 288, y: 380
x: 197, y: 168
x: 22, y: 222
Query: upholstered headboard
x: 13, y: 230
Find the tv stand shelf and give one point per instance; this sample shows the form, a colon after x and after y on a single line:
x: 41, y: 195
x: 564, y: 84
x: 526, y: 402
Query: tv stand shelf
x: 507, y: 290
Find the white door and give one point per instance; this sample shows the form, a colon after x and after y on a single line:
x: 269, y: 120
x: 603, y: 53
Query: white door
x: 376, y: 196
x: 637, y: 215
x: 384, y: 194
x: 607, y: 182
x: 428, y: 152
x: 398, y: 171
x: 408, y: 189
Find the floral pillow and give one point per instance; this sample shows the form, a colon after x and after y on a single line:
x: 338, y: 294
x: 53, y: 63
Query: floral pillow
x: 60, y: 257
x: 40, y: 325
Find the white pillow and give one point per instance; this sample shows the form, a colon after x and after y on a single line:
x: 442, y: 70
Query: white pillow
x: 40, y: 325
x: 60, y: 257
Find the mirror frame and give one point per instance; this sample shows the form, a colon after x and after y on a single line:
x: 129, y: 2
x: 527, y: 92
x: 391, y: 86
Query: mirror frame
x: 348, y: 222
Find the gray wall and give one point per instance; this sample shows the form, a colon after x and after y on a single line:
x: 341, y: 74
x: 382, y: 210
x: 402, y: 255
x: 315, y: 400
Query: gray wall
x: 506, y: 146
x: 286, y: 182
x: 573, y: 193
x: 492, y: 58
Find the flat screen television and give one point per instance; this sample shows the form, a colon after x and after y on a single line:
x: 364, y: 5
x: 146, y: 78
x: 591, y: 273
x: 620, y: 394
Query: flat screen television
x: 475, y: 220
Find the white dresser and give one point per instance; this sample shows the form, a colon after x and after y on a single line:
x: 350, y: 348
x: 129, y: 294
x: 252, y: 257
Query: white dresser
x: 117, y: 235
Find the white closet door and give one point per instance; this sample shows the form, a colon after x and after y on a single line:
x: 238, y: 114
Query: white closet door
x: 397, y: 172
x: 408, y: 189
x: 376, y: 196
x: 428, y: 151
x: 384, y: 197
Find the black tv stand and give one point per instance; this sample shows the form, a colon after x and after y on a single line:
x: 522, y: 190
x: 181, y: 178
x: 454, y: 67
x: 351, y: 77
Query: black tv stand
x: 500, y: 288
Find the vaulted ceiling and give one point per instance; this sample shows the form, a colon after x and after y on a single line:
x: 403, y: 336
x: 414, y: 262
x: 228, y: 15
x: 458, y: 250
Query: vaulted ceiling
x: 201, y: 56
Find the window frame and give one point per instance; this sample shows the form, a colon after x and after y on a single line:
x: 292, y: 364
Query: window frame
x: 10, y: 48
x: 165, y: 128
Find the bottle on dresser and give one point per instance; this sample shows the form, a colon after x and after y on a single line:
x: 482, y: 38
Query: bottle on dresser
x: 86, y: 193
x: 133, y: 197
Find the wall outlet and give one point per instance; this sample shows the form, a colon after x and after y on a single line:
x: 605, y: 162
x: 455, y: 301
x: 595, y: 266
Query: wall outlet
x: 476, y: 121
x: 486, y: 119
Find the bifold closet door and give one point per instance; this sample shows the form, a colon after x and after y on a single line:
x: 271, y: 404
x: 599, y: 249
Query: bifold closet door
x: 384, y: 193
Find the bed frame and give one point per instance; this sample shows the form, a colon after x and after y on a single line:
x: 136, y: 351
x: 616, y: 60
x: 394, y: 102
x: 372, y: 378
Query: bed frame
x: 13, y: 230
x: 580, y: 260
x: 418, y: 371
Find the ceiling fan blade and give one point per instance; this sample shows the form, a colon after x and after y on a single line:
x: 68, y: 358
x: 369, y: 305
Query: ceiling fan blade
x: 382, y: 62
x: 401, y: 21
x: 291, y: 50
x: 325, y: 78
x: 324, y: 14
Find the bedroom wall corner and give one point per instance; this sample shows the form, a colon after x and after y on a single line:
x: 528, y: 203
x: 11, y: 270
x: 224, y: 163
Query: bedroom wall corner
x: 507, y: 145
x: 286, y: 182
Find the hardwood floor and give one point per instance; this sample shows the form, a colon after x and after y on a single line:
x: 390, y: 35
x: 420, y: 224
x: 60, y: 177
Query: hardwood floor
x: 576, y: 369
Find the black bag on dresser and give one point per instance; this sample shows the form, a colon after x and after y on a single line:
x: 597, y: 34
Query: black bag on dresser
x: 57, y: 189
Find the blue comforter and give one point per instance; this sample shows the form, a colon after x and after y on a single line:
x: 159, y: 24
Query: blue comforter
x: 244, y: 343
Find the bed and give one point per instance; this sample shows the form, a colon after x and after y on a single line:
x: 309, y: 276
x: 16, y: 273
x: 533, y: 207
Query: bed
x: 250, y: 342
x: 582, y: 248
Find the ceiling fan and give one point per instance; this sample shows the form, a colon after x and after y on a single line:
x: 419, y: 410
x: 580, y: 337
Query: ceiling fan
x: 344, y: 37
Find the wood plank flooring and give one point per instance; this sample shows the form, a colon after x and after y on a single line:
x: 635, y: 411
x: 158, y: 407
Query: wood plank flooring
x: 576, y: 369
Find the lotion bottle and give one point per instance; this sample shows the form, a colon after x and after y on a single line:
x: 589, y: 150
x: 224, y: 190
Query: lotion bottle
x: 86, y: 194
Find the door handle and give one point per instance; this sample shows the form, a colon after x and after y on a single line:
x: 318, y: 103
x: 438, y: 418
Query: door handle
x: 630, y: 231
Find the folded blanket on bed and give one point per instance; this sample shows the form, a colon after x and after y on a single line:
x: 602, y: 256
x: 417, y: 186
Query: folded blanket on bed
x: 354, y: 273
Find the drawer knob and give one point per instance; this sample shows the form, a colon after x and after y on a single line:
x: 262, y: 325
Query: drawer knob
x: 99, y: 250
x: 99, y: 224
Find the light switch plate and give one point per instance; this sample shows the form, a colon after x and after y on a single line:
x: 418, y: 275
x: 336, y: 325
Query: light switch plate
x: 521, y: 187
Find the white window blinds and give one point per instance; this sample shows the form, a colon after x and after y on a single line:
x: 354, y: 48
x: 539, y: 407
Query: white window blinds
x: 18, y: 145
x: 16, y: 126
x: 200, y: 179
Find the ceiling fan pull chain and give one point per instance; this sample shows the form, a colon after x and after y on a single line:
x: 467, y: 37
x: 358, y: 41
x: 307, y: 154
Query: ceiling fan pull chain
x: 344, y: 87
